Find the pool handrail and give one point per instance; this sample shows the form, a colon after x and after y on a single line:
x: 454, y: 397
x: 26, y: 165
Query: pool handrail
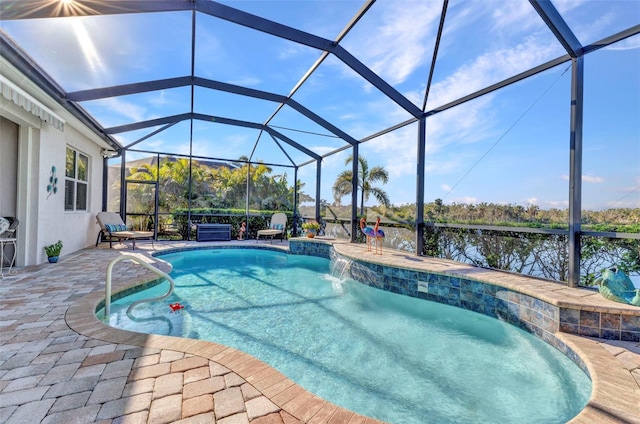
x: 107, y: 294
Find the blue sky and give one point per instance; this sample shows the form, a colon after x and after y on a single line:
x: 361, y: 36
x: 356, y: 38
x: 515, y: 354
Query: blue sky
x: 511, y: 146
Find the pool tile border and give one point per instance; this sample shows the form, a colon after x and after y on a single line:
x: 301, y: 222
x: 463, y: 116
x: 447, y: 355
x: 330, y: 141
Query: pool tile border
x: 530, y: 314
x: 511, y: 304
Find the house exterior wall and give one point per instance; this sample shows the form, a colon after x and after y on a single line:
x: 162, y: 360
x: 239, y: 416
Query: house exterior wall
x: 76, y: 229
x: 8, y: 167
x: 42, y: 215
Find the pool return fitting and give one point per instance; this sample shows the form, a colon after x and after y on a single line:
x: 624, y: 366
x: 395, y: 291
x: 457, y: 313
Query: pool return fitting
x: 107, y: 289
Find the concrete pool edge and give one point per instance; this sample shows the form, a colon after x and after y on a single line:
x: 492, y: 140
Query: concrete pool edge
x: 615, y: 394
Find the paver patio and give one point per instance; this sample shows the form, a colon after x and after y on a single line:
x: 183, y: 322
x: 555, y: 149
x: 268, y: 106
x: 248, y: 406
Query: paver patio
x: 59, y: 365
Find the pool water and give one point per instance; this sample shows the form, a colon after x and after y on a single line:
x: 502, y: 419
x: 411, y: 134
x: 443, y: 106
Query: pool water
x: 384, y: 355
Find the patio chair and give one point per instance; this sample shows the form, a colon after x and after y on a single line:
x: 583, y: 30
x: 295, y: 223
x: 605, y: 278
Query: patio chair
x: 8, y: 226
x: 11, y: 224
x: 277, y: 226
x: 113, y: 228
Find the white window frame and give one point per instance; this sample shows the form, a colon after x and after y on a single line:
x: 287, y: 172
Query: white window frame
x: 73, y: 181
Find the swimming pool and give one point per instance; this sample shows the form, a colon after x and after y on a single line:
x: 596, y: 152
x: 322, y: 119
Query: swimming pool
x: 384, y: 355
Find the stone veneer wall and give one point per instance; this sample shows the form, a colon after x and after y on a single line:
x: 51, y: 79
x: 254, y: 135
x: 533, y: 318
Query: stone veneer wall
x: 323, y: 250
x: 605, y: 325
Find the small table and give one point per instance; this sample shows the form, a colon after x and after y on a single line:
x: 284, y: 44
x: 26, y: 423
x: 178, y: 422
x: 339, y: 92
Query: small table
x: 11, y: 270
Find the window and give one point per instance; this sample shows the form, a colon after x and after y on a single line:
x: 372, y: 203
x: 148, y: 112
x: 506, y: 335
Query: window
x: 76, y: 182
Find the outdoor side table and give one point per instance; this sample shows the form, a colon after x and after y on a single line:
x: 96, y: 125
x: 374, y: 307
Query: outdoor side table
x: 4, y: 242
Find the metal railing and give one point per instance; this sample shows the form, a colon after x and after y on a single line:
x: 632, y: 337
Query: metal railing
x: 107, y: 294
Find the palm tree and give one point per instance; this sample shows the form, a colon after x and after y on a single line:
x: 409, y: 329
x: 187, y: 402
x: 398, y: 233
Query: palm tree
x: 231, y: 183
x: 172, y: 177
x: 366, y: 178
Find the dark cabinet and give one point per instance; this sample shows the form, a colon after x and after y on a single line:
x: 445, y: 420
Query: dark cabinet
x: 213, y: 232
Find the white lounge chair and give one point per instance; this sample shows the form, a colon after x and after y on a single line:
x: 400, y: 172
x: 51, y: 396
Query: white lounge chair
x: 277, y: 226
x: 113, y: 227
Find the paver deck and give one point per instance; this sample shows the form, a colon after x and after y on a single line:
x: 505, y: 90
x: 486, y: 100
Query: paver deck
x: 60, y: 364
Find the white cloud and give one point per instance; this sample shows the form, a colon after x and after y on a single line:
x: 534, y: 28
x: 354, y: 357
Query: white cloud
x: 291, y: 51
x: 115, y: 106
x: 337, y: 161
x: 459, y: 17
x: 446, y: 166
x: 307, y: 172
x: 592, y: 179
x: 488, y: 69
x: 155, y: 143
x: 211, y: 53
x: 182, y: 150
x: 515, y: 16
x: 161, y: 99
x: 586, y: 178
x: 377, y: 39
x: 321, y: 150
x: 247, y: 81
x: 626, y: 44
x: 466, y: 124
x: 395, y: 151
x: 376, y: 114
x: 532, y: 200
x: 592, y: 29
x: 348, y: 116
x: 445, y: 187
x: 557, y: 204
x: 236, y: 139
x: 564, y: 6
x: 469, y: 200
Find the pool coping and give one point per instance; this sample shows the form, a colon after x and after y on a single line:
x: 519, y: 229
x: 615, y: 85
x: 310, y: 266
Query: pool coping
x: 615, y: 393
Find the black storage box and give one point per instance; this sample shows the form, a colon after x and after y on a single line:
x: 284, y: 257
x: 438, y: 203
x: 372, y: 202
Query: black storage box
x: 213, y: 232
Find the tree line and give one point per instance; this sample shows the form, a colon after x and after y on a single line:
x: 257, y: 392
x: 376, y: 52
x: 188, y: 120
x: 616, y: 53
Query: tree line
x: 198, y: 185
x: 619, y: 219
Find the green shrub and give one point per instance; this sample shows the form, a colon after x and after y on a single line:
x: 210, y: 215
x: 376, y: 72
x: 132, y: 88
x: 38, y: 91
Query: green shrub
x: 53, y: 249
